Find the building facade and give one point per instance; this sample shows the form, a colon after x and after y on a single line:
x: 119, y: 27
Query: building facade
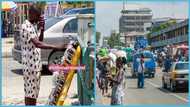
x: 21, y: 13
x: 135, y: 19
x: 176, y: 34
x: 156, y: 22
x: 14, y: 18
x: 58, y: 8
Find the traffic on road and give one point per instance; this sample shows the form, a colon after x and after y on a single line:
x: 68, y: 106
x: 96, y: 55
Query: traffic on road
x: 160, y: 71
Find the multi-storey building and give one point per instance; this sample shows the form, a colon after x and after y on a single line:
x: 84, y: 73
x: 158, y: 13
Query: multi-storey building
x: 173, y: 35
x: 134, y: 21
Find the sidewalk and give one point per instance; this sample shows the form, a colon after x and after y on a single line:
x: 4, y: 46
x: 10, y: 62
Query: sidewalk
x: 102, y: 100
x: 14, y: 95
x: 12, y: 83
x: 7, y: 45
x: 13, y: 90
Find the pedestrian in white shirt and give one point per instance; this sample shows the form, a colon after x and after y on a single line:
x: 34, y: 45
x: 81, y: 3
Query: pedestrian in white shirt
x: 141, y: 67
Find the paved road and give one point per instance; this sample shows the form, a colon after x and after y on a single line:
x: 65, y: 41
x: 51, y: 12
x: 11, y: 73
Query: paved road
x: 12, y: 82
x: 12, y: 89
x: 151, y: 94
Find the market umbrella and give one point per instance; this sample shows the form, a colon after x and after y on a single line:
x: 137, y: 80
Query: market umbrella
x: 120, y: 53
x: 128, y: 49
x: 103, y: 52
x: 129, y: 52
x: 8, y: 5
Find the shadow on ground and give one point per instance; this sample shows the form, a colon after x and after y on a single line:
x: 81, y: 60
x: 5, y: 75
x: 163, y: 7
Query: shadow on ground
x: 131, y: 77
x: 177, y: 91
x: 75, y: 103
x: 17, y: 71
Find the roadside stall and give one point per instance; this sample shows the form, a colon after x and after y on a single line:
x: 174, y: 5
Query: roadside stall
x: 8, y: 11
x: 80, y: 53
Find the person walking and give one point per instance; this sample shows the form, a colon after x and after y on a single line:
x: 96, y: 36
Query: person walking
x: 140, y: 83
x: 31, y: 43
x: 101, y: 65
x: 104, y: 79
x: 167, y: 63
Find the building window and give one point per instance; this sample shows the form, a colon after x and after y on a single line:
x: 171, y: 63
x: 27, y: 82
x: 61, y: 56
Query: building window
x: 138, y: 17
x: 71, y: 26
x: 131, y: 38
x: 129, y: 23
x: 186, y: 31
x: 130, y: 17
x: 25, y: 11
x: 181, y: 31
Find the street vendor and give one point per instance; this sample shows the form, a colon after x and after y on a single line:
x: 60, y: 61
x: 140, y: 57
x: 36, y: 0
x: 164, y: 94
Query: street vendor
x: 32, y: 44
x: 101, y: 65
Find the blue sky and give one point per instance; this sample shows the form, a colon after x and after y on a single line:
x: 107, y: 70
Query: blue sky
x: 108, y: 12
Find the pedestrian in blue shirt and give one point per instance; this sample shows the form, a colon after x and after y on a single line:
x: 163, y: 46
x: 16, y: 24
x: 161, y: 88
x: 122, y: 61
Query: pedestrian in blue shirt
x: 167, y: 63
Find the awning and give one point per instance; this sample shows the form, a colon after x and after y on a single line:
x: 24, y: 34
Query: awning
x: 8, y: 6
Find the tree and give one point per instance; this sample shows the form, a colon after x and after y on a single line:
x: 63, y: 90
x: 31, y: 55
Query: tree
x: 114, y: 40
x: 163, y: 26
x: 98, y: 36
x: 77, y: 4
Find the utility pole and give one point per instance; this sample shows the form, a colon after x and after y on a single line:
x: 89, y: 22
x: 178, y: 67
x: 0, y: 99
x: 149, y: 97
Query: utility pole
x: 173, y: 14
x: 57, y: 7
x: 123, y: 4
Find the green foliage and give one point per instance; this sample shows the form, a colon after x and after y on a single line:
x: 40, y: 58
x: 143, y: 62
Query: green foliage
x: 114, y: 40
x: 80, y: 3
x: 163, y: 26
x: 98, y: 36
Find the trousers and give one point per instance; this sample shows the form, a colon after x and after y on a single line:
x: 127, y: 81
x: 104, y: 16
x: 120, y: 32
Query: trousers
x: 140, y: 80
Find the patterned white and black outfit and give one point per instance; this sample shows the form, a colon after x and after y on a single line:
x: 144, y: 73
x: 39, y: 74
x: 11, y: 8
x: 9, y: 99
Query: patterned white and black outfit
x: 31, y: 59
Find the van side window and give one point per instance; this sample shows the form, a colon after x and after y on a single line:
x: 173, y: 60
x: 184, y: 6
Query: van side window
x: 87, y: 11
x: 71, y: 26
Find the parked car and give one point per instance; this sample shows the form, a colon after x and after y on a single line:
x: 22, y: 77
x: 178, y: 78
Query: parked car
x: 80, y: 11
x: 66, y: 10
x: 57, y: 30
x: 76, y: 11
x: 176, y: 77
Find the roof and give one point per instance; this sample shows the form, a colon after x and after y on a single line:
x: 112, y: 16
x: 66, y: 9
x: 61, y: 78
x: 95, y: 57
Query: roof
x: 165, y: 19
x: 170, y: 28
x: 135, y: 7
x: 161, y: 19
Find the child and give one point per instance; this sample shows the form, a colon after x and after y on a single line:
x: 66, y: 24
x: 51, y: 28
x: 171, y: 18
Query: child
x: 118, y: 83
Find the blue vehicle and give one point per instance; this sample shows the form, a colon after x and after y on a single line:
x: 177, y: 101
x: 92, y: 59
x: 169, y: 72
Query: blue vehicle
x: 140, y: 42
x: 150, y: 63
